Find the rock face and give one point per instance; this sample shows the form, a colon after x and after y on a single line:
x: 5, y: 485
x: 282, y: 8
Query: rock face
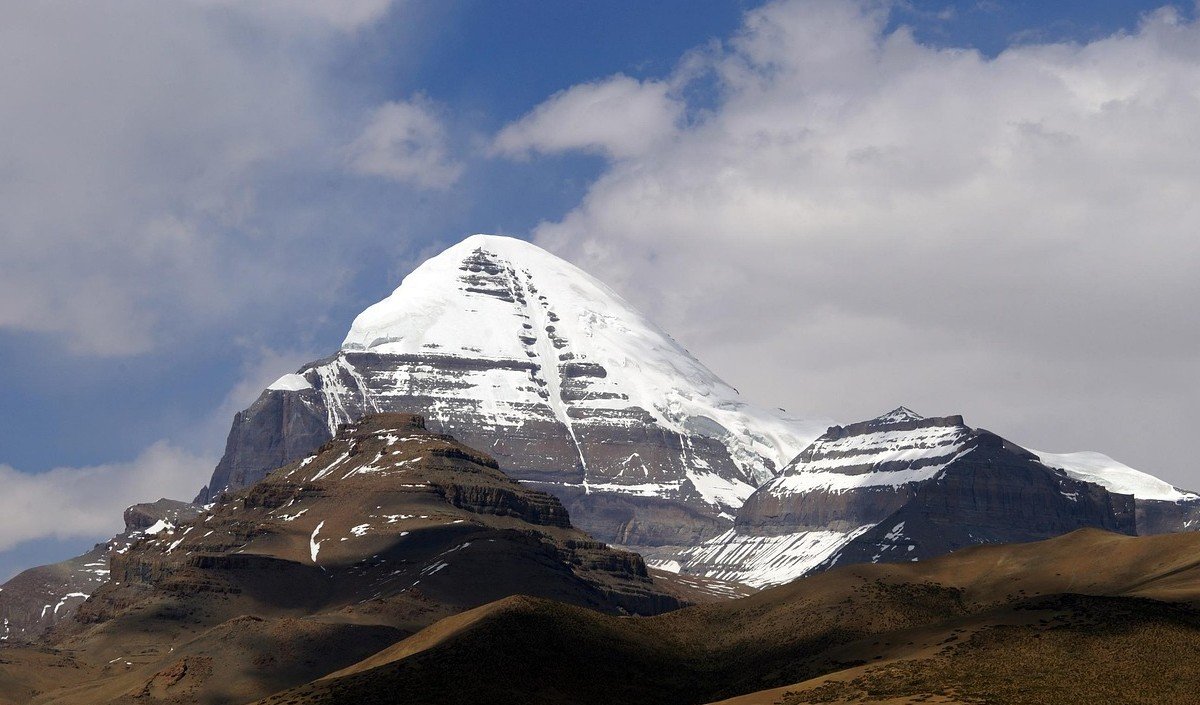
x: 279, y: 427
x: 901, y: 487
x: 385, y: 511
x: 385, y: 529
x: 1161, y: 508
x: 34, y: 601
x: 513, y: 350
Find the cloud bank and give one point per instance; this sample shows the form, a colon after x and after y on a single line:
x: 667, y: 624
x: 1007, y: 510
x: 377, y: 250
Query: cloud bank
x: 157, y: 164
x: 860, y: 220
x: 66, y: 503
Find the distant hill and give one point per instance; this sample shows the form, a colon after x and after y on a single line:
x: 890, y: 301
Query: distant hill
x: 1088, y: 617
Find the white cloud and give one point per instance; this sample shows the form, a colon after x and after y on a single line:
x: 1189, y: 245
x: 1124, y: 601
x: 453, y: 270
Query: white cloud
x: 619, y: 116
x: 405, y: 141
x: 345, y: 15
x: 141, y: 156
x: 87, y: 502
x: 862, y: 220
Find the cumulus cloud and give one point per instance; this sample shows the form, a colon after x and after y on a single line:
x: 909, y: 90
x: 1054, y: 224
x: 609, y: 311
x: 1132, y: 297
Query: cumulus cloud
x: 618, y: 117
x: 140, y: 145
x: 405, y: 141
x: 67, y: 503
x: 863, y: 220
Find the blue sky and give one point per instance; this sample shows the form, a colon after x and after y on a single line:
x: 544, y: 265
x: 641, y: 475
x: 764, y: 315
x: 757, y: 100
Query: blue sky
x: 202, y: 205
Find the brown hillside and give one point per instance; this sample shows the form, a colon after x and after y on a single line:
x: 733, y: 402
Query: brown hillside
x: 962, y: 628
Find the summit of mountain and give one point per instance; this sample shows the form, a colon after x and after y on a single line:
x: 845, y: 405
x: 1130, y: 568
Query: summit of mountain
x: 566, y: 384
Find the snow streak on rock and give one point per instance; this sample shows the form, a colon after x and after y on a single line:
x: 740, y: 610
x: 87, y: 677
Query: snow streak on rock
x: 762, y: 561
x: 894, y: 449
x: 528, y: 357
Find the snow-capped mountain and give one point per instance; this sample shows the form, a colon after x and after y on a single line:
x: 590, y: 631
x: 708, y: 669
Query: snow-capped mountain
x: 573, y: 392
x: 901, y: 487
x: 520, y: 353
x: 1161, y: 507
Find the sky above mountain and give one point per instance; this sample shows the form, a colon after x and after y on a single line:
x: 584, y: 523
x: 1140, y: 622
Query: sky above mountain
x: 984, y: 208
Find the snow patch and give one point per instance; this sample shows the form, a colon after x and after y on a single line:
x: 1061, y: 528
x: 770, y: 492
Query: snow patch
x: 1113, y: 476
x: 291, y: 383
x: 159, y: 526
x: 314, y: 546
x: 719, y: 491
x: 837, y: 482
x: 761, y: 561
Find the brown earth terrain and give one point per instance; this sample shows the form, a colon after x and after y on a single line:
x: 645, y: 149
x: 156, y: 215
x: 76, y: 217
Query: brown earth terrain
x: 385, y: 530
x: 1087, y: 617
x: 397, y: 565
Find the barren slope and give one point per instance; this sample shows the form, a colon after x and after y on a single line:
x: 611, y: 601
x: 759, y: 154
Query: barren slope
x: 954, y: 627
x: 386, y: 529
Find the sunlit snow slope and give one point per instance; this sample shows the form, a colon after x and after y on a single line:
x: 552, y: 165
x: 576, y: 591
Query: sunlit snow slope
x: 1114, y: 476
x: 521, y: 353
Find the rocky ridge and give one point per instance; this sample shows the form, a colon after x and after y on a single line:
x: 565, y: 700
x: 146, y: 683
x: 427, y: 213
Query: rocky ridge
x: 385, y: 529
x: 35, y: 600
x: 389, y: 508
x: 902, y: 487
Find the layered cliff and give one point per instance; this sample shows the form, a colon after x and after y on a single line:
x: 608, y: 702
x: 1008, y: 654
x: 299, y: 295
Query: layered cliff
x: 515, y: 351
x: 385, y: 529
x: 902, y: 487
x: 387, y: 510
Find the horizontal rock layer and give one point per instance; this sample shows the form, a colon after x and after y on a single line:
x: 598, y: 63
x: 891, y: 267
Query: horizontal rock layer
x: 902, y: 488
x: 517, y: 352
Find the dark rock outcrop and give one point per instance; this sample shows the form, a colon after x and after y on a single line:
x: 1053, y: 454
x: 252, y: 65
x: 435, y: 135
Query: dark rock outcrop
x: 997, y: 493
x: 903, y: 488
x: 281, y: 426
x: 1164, y: 517
x: 385, y: 511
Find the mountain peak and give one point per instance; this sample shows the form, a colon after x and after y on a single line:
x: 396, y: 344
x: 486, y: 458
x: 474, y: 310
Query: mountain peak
x: 493, y: 299
x: 520, y: 352
x: 468, y: 299
x: 499, y: 244
x: 900, y: 414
